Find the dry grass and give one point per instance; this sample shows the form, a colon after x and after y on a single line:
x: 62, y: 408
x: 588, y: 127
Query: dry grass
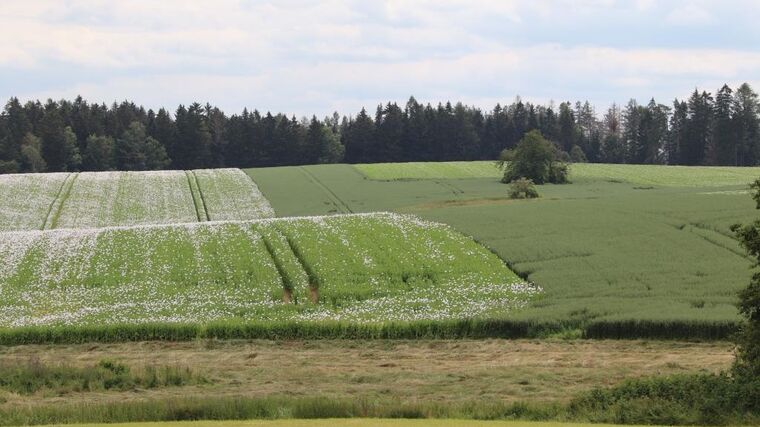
x: 425, y: 370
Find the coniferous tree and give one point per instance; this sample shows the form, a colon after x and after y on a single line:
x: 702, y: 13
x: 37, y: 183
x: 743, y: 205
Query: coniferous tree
x: 723, y: 149
x: 746, y: 108
x: 360, y: 138
x: 677, y: 132
x: 698, y: 130
x: 567, y: 127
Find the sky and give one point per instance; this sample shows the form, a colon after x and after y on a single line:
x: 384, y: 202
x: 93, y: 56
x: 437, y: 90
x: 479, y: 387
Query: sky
x: 313, y: 57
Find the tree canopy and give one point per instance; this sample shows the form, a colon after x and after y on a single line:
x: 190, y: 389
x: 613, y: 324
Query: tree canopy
x: 535, y: 159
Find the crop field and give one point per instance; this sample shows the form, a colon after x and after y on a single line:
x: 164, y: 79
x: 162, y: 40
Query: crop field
x: 682, y: 176
x: 103, y: 199
x: 365, y: 268
x: 28, y: 199
x: 621, y: 243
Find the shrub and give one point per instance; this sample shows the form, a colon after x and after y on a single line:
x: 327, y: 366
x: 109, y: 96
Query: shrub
x: 707, y: 399
x: 747, y: 363
x: 577, y: 155
x: 522, y: 188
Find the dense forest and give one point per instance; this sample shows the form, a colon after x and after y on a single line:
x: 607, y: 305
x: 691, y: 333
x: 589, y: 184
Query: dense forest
x: 723, y: 129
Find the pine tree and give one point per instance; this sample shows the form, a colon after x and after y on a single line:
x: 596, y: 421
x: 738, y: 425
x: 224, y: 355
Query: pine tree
x: 359, y: 138
x: 698, y: 129
x: 723, y: 149
x: 677, y: 132
x: 567, y: 127
x: 746, y: 108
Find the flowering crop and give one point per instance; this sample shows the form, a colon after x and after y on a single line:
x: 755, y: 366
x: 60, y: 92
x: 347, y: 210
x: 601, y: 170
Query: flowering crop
x: 229, y: 194
x: 367, y: 268
x: 104, y: 199
x: 27, y: 199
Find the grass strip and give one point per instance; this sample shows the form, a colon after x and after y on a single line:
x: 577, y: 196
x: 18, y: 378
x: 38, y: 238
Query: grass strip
x: 442, y: 329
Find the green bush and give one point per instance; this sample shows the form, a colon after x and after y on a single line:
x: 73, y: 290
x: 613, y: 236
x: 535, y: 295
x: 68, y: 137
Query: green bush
x: 34, y: 376
x: 706, y: 399
x: 577, y: 155
x: 522, y: 188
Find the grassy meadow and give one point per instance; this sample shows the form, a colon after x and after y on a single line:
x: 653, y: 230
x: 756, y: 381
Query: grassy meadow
x: 622, y: 244
x: 343, y: 422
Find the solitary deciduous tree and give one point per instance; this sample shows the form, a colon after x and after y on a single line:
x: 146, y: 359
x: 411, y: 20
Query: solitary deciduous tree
x: 536, y: 159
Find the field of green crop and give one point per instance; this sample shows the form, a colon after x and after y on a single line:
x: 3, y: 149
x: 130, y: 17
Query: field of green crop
x: 103, y: 199
x: 686, y: 176
x: 621, y: 243
x: 365, y: 268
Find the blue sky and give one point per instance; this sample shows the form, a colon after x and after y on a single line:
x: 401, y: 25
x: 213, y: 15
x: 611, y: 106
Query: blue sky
x: 303, y: 57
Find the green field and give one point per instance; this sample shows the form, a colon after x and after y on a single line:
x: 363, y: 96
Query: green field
x: 679, y: 176
x: 363, y: 268
x: 623, y: 242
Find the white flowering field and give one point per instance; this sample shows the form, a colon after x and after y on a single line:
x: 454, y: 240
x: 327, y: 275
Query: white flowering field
x: 365, y: 268
x: 103, y: 199
x: 27, y: 199
x: 229, y: 194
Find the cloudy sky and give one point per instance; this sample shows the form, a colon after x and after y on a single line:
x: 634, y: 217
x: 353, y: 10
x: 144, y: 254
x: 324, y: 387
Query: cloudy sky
x: 304, y: 57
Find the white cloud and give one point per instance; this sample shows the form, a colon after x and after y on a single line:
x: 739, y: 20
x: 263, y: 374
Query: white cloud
x: 305, y: 56
x: 689, y: 14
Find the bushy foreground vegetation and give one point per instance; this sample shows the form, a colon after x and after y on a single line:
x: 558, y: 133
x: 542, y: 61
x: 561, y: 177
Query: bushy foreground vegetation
x: 34, y: 377
x: 363, y: 268
x: 702, y: 400
x: 102, y: 199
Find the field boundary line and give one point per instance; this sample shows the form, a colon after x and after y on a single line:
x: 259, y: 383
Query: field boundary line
x: 335, y: 199
x: 200, y: 194
x: 54, y: 212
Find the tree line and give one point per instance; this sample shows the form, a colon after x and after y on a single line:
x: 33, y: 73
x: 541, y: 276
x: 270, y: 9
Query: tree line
x: 76, y: 135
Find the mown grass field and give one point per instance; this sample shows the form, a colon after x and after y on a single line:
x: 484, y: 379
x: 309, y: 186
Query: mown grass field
x: 351, y: 423
x: 622, y: 242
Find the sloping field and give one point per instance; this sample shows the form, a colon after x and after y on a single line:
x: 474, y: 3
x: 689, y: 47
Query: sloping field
x: 606, y: 251
x: 364, y: 268
x: 677, y: 176
x: 229, y: 194
x: 101, y: 199
x: 104, y: 199
x: 27, y: 199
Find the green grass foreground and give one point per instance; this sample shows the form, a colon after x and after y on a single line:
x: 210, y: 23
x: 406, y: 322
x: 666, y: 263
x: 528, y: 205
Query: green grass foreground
x: 373, y: 422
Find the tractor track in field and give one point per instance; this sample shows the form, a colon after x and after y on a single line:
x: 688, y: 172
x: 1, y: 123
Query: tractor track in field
x: 337, y: 201
x: 54, y: 212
